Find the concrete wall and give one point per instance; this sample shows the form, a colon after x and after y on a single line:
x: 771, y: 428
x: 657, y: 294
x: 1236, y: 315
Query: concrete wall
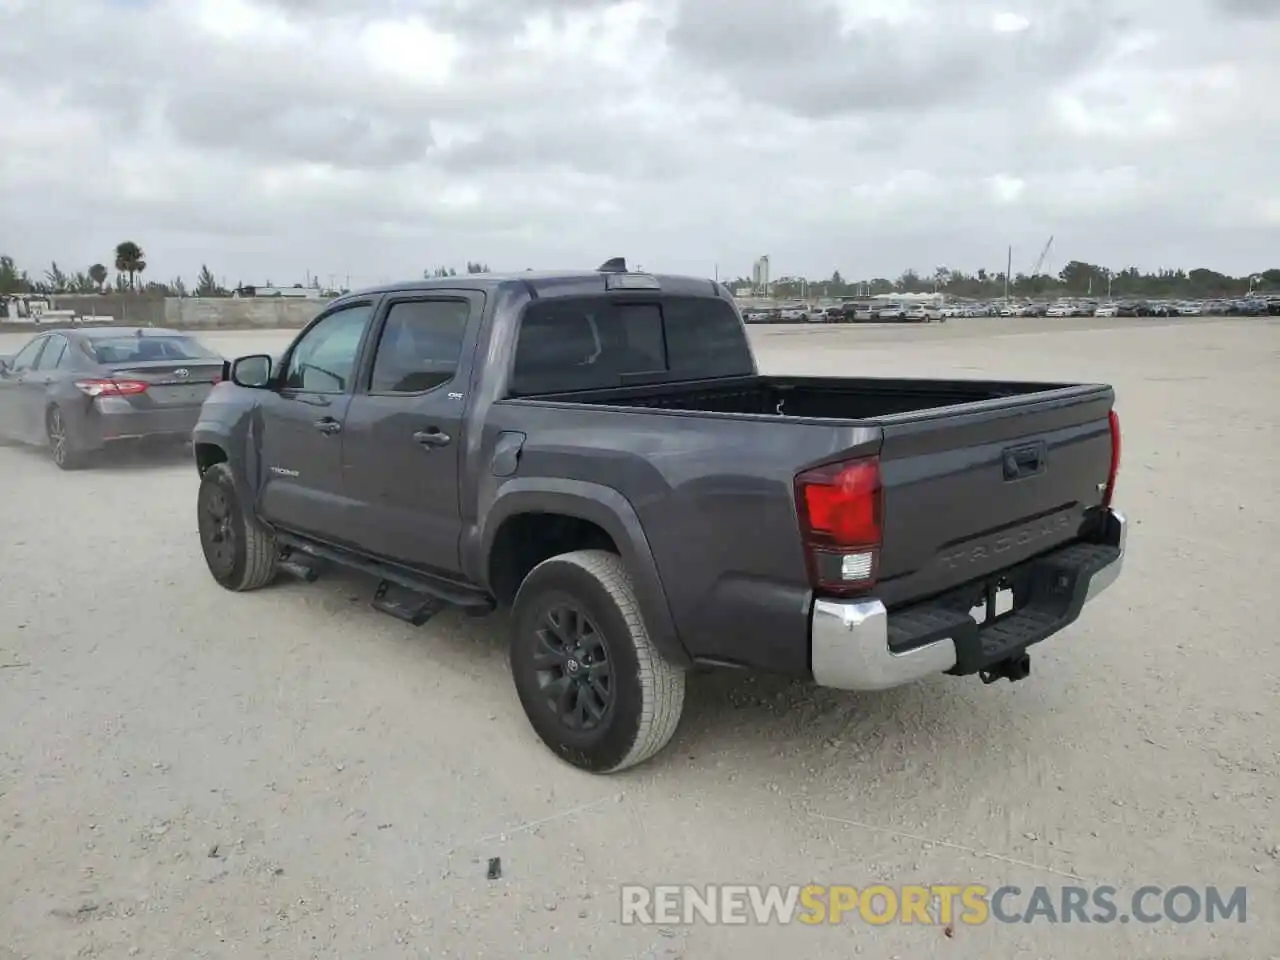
x: 221, y: 313
x: 193, y: 313
x: 141, y: 310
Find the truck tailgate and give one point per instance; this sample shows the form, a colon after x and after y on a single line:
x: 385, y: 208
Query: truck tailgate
x: 974, y: 489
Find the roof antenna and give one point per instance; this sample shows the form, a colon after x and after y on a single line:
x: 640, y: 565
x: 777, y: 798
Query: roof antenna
x: 613, y: 265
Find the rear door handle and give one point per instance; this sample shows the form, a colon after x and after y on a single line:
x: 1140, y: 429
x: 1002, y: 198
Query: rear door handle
x: 432, y: 438
x: 328, y: 425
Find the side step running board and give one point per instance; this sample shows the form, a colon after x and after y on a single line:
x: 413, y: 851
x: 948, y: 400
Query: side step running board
x: 298, y: 564
x: 406, y: 605
x: 424, y: 586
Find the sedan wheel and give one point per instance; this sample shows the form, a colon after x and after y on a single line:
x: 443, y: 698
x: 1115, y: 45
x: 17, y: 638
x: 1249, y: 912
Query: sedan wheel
x: 61, y: 448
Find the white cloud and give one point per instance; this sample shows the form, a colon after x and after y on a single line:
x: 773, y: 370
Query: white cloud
x: 379, y: 137
x: 1006, y: 189
x: 410, y: 50
x: 1007, y: 22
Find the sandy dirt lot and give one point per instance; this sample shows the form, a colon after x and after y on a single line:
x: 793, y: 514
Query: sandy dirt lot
x: 188, y: 773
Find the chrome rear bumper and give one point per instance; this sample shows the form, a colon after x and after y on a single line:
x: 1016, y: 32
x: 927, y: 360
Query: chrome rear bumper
x: 849, y: 640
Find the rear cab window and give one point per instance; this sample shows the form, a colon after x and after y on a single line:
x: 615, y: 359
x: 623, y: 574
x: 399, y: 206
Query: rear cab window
x: 568, y: 344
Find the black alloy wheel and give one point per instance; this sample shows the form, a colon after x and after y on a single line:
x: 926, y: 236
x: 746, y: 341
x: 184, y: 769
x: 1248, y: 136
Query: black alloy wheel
x: 217, y: 530
x: 572, y: 666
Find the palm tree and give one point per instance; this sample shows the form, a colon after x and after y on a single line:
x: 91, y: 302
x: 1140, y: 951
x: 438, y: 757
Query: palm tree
x: 98, y: 274
x: 55, y: 278
x: 130, y: 260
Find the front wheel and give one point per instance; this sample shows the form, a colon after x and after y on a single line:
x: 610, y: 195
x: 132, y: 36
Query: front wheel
x: 240, y: 552
x: 592, y: 684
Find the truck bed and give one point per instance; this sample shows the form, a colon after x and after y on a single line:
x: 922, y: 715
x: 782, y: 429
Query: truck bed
x: 709, y: 456
x: 809, y: 397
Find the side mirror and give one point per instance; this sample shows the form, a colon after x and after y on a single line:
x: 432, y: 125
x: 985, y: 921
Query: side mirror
x: 253, y: 371
x: 4, y: 364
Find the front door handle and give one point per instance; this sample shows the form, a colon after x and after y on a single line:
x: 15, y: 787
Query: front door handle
x: 328, y: 425
x: 432, y: 438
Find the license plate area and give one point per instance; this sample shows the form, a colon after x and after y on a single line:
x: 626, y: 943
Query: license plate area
x: 185, y: 394
x: 997, y: 601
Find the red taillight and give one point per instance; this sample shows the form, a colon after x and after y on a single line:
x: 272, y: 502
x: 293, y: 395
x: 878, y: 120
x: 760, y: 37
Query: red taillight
x: 111, y: 388
x: 839, y: 506
x: 1114, y: 419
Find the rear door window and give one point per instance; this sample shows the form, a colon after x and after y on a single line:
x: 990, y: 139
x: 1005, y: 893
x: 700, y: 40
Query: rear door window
x: 592, y: 343
x: 420, y: 345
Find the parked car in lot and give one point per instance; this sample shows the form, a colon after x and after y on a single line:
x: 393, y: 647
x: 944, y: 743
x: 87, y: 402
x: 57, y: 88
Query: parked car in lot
x: 570, y: 446
x: 922, y: 313
x: 78, y: 391
x: 888, y: 312
x: 1249, y: 307
x: 1107, y: 310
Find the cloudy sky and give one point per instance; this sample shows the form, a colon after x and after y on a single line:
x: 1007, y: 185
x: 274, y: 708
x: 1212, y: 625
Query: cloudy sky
x: 373, y: 138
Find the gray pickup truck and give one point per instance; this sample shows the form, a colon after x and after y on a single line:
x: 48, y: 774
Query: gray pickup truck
x: 597, y: 451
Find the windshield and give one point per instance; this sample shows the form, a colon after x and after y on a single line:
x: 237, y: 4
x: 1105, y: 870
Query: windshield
x: 111, y: 350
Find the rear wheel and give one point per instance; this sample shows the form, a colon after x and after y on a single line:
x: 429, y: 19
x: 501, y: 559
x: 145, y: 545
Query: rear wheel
x: 62, y: 446
x: 240, y: 552
x: 592, y: 684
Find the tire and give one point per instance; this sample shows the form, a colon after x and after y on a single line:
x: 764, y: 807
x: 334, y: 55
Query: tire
x: 240, y: 552
x: 62, y: 449
x: 645, y: 693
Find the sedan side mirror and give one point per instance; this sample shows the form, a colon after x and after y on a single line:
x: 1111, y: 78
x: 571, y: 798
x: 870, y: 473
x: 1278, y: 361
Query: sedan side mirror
x: 252, y: 371
x: 4, y: 365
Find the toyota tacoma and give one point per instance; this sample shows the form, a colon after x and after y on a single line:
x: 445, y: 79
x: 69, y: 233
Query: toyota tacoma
x: 596, y: 453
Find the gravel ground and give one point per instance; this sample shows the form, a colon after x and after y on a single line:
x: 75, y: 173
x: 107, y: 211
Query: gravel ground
x: 187, y: 773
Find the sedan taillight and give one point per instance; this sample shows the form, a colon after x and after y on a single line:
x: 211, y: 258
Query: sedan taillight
x: 111, y: 388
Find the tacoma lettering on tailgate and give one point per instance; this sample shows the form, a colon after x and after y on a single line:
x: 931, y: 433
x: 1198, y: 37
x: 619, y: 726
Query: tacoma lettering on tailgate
x: 994, y: 546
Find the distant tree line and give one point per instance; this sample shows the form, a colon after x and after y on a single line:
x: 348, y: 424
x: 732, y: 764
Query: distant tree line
x: 130, y: 263
x: 436, y: 273
x: 1077, y: 278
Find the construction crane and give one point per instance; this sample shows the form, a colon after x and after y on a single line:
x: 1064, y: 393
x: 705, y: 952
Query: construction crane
x: 1035, y: 271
